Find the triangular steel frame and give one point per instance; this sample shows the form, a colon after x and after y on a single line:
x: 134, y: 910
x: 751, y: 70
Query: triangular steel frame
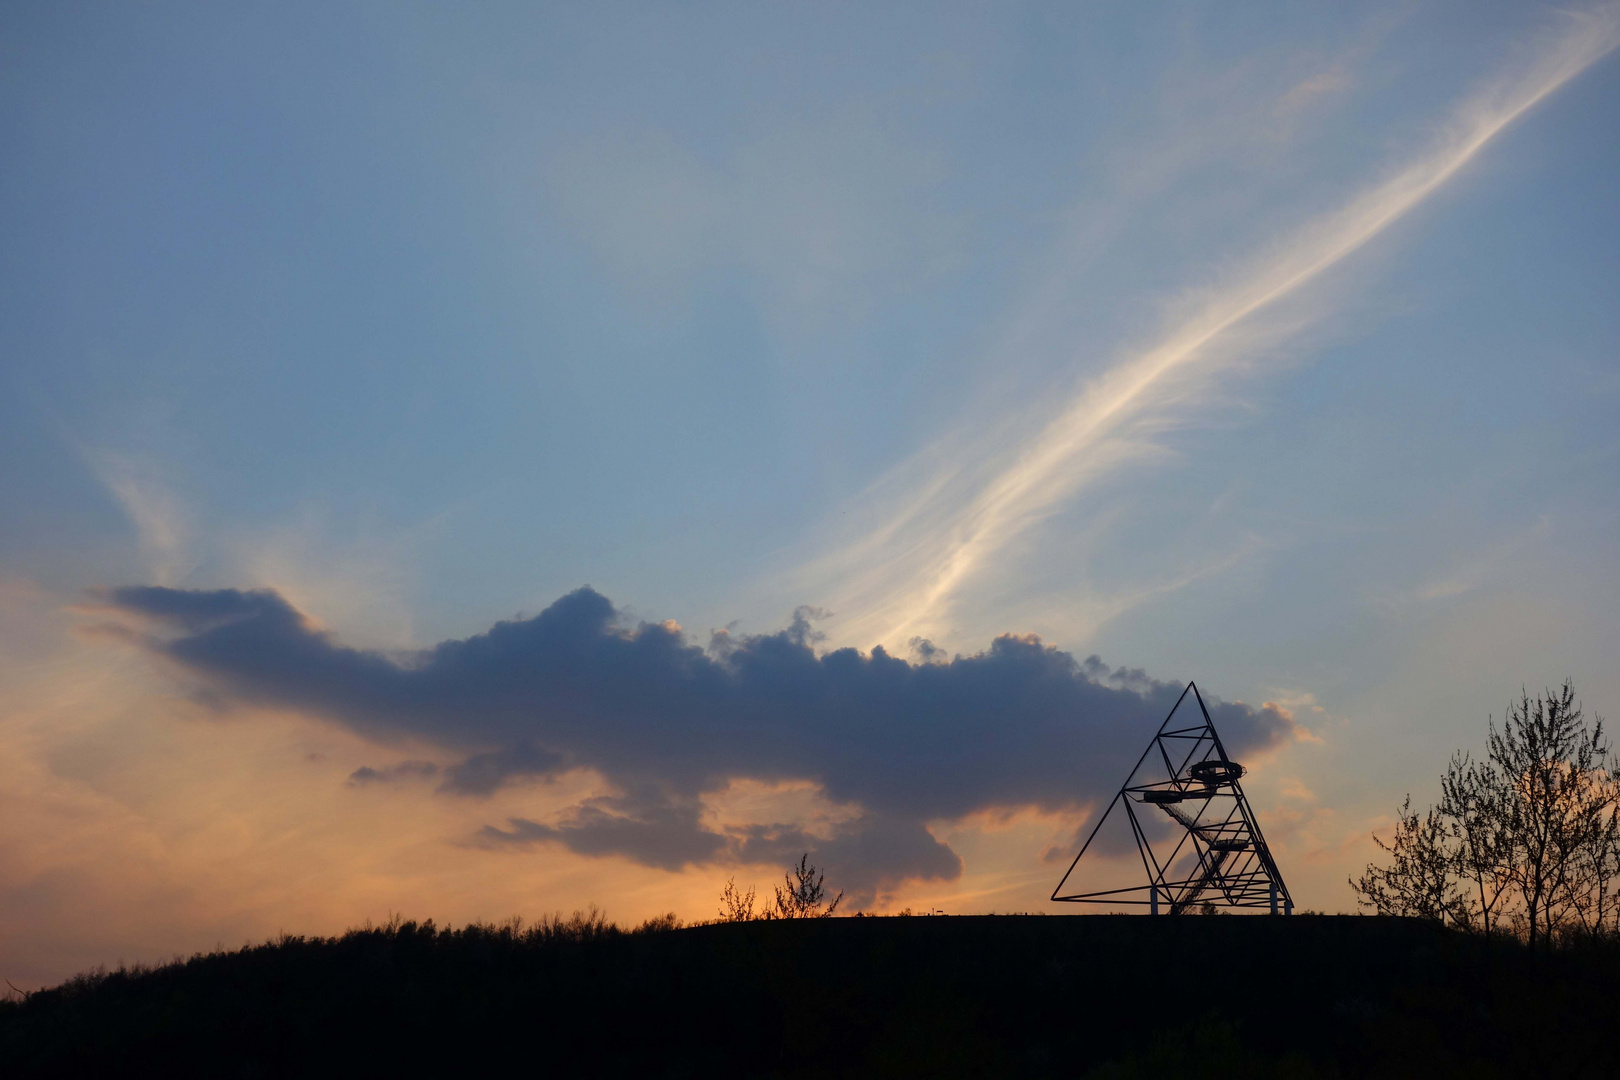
x: 1234, y: 866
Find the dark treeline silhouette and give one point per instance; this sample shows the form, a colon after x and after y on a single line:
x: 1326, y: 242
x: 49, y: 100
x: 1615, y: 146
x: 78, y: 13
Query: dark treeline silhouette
x: 1525, y: 843
x: 1101, y: 996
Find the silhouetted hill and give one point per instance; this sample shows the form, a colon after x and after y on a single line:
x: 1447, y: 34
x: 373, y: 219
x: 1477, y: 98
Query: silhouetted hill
x: 1103, y: 996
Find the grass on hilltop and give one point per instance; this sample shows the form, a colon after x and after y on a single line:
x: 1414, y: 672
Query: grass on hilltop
x: 1104, y: 997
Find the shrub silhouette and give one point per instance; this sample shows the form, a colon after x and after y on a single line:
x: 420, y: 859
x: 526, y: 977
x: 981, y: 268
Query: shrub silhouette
x: 801, y: 896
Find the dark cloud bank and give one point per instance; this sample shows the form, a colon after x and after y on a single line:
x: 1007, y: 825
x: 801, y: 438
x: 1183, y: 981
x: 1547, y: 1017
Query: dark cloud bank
x: 665, y: 720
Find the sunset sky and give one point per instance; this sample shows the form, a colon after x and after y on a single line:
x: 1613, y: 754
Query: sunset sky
x: 482, y: 460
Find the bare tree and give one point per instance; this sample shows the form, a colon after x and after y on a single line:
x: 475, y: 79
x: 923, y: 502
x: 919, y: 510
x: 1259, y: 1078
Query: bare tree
x: 802, y: 896
x: 1473, y: 804
x: 1422, y: 883
x: 1528, y: 838
x: 736, y: 905
x: 1595, y: 870
x: 1550, y: 761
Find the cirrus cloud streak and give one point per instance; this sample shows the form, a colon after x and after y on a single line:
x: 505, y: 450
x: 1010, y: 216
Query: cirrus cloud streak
x: 959, y: 512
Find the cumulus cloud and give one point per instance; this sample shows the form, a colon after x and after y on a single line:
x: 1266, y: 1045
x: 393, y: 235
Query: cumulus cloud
x: 667, y: 721
x: 481, y: 774
x: 648, y: 827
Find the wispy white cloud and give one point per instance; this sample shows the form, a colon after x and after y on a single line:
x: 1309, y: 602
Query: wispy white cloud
x: 1461, y: 575
x: 959, y: 514
x: 344, y: 569
x: 162, y: 525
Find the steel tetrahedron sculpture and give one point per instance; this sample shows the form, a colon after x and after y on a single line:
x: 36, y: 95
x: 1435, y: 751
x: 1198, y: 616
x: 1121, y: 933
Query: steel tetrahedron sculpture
x: 1196, y: 836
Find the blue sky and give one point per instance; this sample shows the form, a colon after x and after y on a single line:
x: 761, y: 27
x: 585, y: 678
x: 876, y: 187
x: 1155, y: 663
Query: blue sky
x: 1272, y: 346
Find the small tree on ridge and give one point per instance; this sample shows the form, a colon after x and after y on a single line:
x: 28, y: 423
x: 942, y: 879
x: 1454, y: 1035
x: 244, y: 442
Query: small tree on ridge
x: 802, y: 896
x: 1528, y: 839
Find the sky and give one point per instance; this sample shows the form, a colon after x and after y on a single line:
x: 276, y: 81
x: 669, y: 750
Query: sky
x: 483, y: 462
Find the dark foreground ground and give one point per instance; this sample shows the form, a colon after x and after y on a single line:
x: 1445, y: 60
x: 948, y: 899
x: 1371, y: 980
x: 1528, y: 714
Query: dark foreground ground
x: 1189, y: 998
